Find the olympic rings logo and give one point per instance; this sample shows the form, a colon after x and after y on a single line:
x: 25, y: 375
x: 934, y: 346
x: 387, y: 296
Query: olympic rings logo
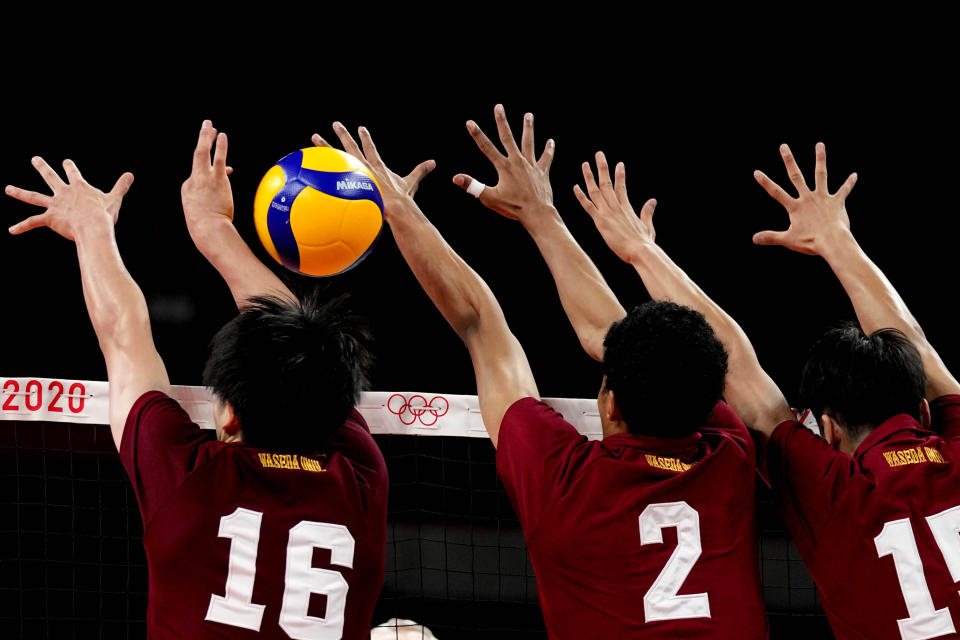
x: 416, y: 408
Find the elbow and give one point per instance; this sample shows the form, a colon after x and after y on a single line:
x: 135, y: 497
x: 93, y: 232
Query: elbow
x: 466, y: 325
x: 471, y: 312
x: 592, y: 344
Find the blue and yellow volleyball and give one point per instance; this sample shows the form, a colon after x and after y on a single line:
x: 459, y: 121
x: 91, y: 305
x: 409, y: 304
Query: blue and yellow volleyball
x: 318, y: 211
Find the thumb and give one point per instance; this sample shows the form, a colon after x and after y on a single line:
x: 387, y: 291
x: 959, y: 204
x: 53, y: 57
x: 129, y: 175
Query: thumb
x: 770, y: 238
x: 122, y: 186
x: 419, y: 173
x: 646, y: 213
x: 32, y: 222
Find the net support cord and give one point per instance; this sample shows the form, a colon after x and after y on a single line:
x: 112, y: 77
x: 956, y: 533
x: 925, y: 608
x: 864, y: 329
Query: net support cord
x: 386, y: 412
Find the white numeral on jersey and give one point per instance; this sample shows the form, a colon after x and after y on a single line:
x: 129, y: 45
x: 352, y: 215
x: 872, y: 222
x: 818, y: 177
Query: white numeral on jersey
x: 661, y: 601
x: 236, y: 606
x: 896, y: 539
x: 302, y: 580
x: 945, y: 526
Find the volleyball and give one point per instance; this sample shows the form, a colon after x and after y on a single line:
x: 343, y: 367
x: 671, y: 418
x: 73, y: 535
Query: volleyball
x: 318, y: 211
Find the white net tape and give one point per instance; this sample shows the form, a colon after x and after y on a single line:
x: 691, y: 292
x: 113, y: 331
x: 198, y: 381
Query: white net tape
x: 387, y: 412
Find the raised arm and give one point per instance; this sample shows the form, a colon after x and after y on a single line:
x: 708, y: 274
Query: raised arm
x: 523, y: 193
x: 749, y: 390
x: 208, y: 208
x: 819, y: 225
x: 118, y: 311
x: 501, y: 368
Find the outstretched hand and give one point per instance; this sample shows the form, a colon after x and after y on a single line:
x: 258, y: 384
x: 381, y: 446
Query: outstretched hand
x: 394, y: 189
x: 608, y: 205
x: 73, y: 204
x: 815, y: 216
x: 523, y: 181
x: 206, y: 194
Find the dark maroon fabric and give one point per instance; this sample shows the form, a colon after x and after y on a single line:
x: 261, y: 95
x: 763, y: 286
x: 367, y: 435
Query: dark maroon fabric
x: 945, y: 416
x: 835, y: 505
x: 186, y: 481
x: 580, y: 504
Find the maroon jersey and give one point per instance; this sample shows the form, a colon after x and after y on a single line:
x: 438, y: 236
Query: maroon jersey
x: 878, y: 530
x: 636, y: 536
x: 246, y: 543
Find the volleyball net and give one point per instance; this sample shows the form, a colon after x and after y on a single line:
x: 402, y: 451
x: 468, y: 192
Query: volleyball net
x: 71, y: 553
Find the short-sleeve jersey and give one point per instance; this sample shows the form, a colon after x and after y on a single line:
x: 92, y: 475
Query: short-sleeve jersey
x: 247, y: 543
x: 634, y: 536
x: 879, y: 529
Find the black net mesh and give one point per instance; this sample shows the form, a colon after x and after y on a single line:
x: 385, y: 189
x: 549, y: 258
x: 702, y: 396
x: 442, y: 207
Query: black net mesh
x: 71, y: 559
x: 72, y: 562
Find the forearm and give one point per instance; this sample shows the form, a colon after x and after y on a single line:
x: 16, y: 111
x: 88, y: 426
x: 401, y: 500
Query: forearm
x: 664, y: 280
x: 460, y: 295
x: 749, y: 390
x: 118, y: 312
x: 589, y: 303
x: 220, y: 243
x: 502, y: 371
x: 115, y: 304
x: 879, y: 306
x: 876, y: 302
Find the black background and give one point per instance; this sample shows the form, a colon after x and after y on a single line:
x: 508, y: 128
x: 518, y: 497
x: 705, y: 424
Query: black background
x: 690, y: 119
x: 693, y: 111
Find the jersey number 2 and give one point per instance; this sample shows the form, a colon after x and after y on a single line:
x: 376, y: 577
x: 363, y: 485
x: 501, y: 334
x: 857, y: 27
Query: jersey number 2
x: 236, y: 606
x: 661, y: 601
x: 896, y: 539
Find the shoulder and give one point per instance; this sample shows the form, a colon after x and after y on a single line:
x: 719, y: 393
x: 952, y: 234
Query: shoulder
x: 529, y: 420
x: 155, y: 419
x: 354, y: 443
x: 945, y: 416
x: 723, y: 426
x: 949, y: 400
x: 156, y: 405
x: 796, y: 454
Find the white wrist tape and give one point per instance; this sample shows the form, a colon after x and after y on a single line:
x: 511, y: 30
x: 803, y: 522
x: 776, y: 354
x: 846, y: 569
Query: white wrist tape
x: 476, y: 188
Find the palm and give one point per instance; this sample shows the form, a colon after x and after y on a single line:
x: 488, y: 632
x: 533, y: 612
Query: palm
x: 207, y: 195
x: 811, y: 217
x: 520, y: 185
x: 607, y: 203
x: 393, y: 188
x: 523, y: 182
x: 815, y: 215
x: 73, y: 204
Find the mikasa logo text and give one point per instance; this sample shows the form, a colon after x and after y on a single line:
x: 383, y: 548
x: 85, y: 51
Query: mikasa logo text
x: 353, y: 185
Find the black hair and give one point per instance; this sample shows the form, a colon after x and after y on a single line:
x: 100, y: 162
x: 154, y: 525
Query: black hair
x: 861, y: 380
x: 667, y: 368
x: 291, y: 369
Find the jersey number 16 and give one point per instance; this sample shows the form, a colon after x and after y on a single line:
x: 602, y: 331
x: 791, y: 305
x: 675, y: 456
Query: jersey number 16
x: 236, y: 606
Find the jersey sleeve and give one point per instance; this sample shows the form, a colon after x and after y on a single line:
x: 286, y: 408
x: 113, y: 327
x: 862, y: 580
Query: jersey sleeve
x: 945, y: 416
x: 725, y: 423
x: 159, y: 448
x: 807, y: 476
x: 354, y: 442
x: 536, y: 451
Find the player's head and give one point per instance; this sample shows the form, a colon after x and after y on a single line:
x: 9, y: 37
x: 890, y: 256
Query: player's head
x: 860, y: 380
x: 665, y: 367
x: 291, y: 371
